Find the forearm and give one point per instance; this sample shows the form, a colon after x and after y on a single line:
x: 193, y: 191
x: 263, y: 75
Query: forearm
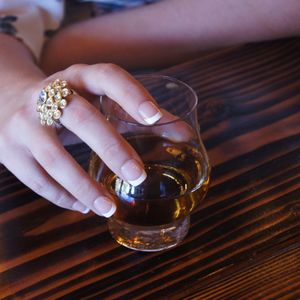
x: 17, y: 63
x: 172, y: 30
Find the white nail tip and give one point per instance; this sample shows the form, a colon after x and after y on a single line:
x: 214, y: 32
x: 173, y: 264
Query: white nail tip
x: 110, y: 212
x: 139, y: 180
x: 153, y: 119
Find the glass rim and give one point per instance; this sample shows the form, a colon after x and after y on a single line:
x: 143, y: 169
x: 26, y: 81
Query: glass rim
x: 171, y: 79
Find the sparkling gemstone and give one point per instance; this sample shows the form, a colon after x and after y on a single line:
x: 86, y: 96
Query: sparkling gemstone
x: 44, y: 108
x: 57, y: 96
x: 56, y: 82
x: 43, y: 116
x: 49, y: 114
x: 65, y: 92
x: 43, y: 122
x: 48, y: 88
x: 63, y: 83
x: 63, y: 103
x: 51, y: 93
x: 54, y: 107
x: 49, y: 122
x: 49, y: 102
x: 42, y: 96
x: 39, y: 108
x: 56, y: 115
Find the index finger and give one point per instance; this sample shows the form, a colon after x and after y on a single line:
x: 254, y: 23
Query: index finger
x: 117, y: 84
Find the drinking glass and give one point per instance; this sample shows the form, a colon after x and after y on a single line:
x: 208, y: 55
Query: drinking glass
x: 155, y: 215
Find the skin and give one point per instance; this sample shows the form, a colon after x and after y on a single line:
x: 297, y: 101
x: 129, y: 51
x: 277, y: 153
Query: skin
x: 154, y: 36
x: 170, y: 31
x: 36, y: 155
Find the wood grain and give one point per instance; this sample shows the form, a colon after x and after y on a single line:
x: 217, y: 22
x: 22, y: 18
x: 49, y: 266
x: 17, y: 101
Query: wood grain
x: 244, y: 241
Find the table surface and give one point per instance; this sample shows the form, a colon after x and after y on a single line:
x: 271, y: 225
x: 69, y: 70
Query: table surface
x: 244, y: 241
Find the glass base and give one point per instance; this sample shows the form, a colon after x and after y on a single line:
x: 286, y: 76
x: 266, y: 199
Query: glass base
x: 149, y: 238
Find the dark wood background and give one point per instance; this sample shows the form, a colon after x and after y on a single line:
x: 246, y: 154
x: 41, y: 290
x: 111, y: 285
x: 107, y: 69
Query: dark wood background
x: 244, y: 241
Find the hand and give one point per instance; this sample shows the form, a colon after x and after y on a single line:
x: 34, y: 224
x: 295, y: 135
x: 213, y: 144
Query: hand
x: 37, y: 157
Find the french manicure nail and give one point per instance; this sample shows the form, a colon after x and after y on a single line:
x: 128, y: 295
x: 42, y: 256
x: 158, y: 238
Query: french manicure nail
x: 80, y: 207
x: 133, y: 172
x: 149, y: 112
x: 104, y: 206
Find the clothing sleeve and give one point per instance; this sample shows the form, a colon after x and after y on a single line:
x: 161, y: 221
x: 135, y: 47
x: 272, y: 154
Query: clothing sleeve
x: 30, y: 20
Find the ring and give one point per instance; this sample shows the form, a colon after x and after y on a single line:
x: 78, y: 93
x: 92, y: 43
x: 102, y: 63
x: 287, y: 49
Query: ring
x: 52, y: 100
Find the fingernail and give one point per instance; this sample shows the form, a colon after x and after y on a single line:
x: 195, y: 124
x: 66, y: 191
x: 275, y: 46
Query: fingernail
x: 104, y: 206
x: 80, y: 207
x: 133, y: 172
x: 149, y: 112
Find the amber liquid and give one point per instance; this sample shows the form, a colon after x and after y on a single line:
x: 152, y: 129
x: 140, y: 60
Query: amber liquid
x: 173, y: 172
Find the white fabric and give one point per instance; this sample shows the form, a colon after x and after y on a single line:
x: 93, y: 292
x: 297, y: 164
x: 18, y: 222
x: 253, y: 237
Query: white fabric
x: 34, y: 17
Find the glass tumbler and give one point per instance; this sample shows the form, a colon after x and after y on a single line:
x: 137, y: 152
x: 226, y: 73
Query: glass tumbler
x: 155, y: 215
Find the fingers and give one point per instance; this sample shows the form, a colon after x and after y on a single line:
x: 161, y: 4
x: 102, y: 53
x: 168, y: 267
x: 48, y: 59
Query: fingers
x: 174, y: 129
x: 91, y: 126
x: 27, y: 170
x: 87, y: 123
x: 118, y: 85
x: 60, y: 165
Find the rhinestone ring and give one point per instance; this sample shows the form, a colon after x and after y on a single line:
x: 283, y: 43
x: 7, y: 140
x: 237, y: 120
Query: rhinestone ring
x: 52, y: 100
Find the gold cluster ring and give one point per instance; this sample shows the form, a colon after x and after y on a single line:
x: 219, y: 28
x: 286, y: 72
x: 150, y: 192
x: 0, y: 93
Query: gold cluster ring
x: 52, y: 100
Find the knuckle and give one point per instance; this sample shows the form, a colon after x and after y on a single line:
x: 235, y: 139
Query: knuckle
x: 81, y: 115
x: 75, y: 68
x: 39, y: 186
x: 49, y: 157
x: 129, y: 92
x: 74, y: 72
x: 109, y: 69
x: 61, y: 200
x: 84, y: 190
x: 112, y: 149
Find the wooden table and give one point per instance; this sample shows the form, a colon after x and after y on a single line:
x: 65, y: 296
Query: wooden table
x: 244, y: 241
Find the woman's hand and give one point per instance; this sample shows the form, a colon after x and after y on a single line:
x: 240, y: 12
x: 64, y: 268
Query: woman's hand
x: 35, y: 154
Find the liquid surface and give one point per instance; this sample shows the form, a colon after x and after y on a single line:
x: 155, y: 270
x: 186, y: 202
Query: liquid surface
x: 173, y: 171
